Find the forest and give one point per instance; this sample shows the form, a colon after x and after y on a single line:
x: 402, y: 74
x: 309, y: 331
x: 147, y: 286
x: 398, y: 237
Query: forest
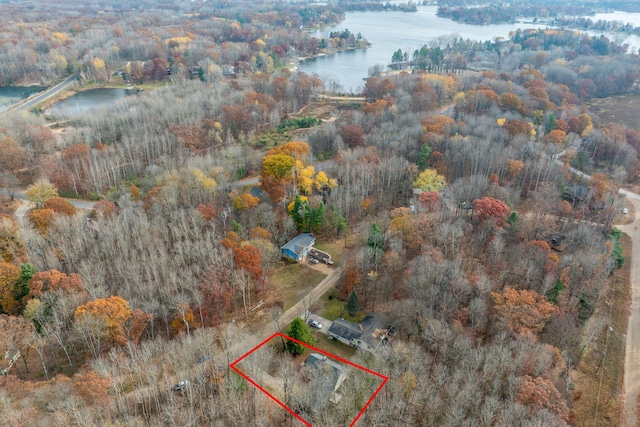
x: 448, y: 202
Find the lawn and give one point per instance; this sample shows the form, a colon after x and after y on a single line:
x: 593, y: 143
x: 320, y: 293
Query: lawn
x: 294, y: 281
x: 335, y: 249
x: 333, y: 308
x: 333, y: 347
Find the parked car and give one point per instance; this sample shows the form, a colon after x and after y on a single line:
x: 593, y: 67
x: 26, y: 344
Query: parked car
x: 204, y: 358
x: 315, y: 324
x: 181, y: 385
x: 313, y: 261
x: 625, y: 211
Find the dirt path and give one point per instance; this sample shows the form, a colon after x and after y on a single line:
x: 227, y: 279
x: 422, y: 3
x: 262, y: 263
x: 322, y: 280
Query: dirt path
x: 632, y: 351
x: 299, y: 308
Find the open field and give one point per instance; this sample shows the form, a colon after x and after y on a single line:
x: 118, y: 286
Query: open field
x: 294, y: 281
x: 623, y: 109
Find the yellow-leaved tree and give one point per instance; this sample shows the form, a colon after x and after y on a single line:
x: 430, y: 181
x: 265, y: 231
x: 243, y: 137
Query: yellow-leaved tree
x: 430, y: 180
x: 39, y: 192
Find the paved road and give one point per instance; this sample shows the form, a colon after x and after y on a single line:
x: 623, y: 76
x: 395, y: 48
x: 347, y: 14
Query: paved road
x: 43, y: 96
x: 632, y: 352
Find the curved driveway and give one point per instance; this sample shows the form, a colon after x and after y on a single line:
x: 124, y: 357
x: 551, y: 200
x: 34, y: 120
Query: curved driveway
x: 25, y: 205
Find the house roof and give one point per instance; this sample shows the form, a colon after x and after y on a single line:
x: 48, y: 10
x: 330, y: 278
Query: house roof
x: 376, y: 328
x: 345, y: 329
x: 373, y: 329
x: 316, y: 359
x: 325, y: 377
x: 300, y: 242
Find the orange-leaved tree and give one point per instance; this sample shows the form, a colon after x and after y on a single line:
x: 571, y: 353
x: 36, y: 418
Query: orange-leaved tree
x: 10, y: 276
x: 51, y: 281
x: 103, y: 318
x: 60, y: 205
x: 539, y: 392
x: 523, y: 310
x: 91, y: 386
x: 41, y: 219
x: 488, y: 207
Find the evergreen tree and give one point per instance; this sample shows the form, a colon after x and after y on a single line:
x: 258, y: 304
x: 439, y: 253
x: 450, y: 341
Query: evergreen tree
x: 300, y: 331
x: 26, y: 273
x: 375, y: 239
x: 551, y: 123
x: 352, y: 305
x: 318, y: 216
x: 424, y: 156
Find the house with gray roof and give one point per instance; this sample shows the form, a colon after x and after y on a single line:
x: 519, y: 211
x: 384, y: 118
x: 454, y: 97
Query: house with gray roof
x: 324, y: 377
x: 297, y: 248
x: 375, y: 330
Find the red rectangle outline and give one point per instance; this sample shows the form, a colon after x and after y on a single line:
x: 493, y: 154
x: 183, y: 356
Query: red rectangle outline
x: 333, y: 356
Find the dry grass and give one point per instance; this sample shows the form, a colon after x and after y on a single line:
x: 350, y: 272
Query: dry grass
x: 294, y: 281
x: 7, y: 206
x: 600, y: 374
x: 623, y: 109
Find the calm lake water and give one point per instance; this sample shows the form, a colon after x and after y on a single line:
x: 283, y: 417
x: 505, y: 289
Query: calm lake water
x: 12, y: 94
x: 90, y: 99
x: 390, y: 31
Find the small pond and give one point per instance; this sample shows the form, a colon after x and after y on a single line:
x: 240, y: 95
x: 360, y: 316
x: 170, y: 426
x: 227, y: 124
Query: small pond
x: 87, y: 100
x: 12, y: 94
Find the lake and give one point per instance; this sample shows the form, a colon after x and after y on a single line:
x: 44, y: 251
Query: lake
x: 12, y: 94
x: 87, y: 100
x: 390, y: 31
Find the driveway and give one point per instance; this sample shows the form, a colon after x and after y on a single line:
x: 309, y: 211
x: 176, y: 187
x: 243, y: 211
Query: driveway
x: 326, y: 324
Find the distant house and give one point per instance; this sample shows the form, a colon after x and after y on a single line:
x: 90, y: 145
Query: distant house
x: 297, y: 248
x: 324, y: 377
x: 375, y: 330
x: 558, y: 243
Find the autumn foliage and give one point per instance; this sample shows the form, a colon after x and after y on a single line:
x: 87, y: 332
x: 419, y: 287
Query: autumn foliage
x: 245, y: 201
x: 523, y: 310
x: 10, y: 276
x: 91, y: 386
x: 104, y: 209
x: 60, y: 206
x: 52, y: 281
x: 113, y: 311
x: 248, y: 258
x: 541, y: 393
x: 41, y: 219
x: 488, y: 207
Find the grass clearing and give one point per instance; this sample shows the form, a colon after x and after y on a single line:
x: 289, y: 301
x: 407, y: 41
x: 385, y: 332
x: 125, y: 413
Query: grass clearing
x: 335, y: 249
x: 600, y: 374
x: 334, y: 308
x: 333, y: 347
x: 622, y: 109
x: 294, y: 281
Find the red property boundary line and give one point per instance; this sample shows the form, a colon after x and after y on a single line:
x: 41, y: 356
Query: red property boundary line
x: 291, y: 411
